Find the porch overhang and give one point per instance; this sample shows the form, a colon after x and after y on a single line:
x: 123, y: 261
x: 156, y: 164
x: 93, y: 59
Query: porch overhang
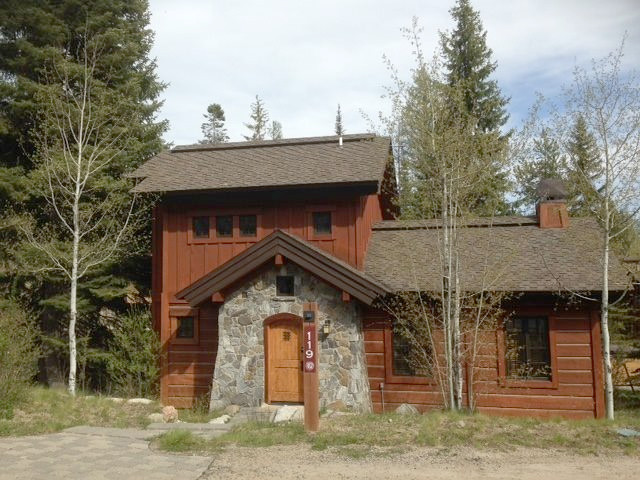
x: 316, y: 261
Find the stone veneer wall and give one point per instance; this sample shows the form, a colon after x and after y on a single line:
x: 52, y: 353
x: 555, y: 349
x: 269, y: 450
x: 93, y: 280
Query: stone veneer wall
x: 239, y: 372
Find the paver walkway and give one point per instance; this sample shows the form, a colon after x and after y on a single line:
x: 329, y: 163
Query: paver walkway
x: 91, y: 453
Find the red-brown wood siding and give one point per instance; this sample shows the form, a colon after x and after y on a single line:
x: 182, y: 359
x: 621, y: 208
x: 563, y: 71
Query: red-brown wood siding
x: 577, y: 393
x: 179, y: 260
x: 190, y: 367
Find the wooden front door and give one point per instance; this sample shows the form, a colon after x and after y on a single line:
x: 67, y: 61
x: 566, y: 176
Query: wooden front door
x: 283, y: 359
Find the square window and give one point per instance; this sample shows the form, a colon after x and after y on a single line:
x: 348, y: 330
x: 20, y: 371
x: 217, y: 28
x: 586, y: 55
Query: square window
x: 322, y: 223
x: 527, y: 350
x: 284, y: 286
x: 248, y: 225
x: 408, y: 356
x: 185, y: 327
x: 200, y: 227
x: 224, y: 226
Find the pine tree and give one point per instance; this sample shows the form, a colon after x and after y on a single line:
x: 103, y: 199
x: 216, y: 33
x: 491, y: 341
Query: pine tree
x: 259, y: 120
x: 468, y: 67
x: 275, y: 130
x: 585, y: 169
x: 338, y: 127
x: 547, y: 161
x: 213, y: 129
x: 35, y: 35
x: 468, y: 61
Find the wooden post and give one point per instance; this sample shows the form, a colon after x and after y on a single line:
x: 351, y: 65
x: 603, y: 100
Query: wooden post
x: 310, y: 367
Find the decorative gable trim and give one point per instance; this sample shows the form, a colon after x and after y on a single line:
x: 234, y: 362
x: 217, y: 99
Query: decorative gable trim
x: 340, y: 275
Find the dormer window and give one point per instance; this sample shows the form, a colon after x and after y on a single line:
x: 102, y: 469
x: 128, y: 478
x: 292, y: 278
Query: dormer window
x: 322, y: 223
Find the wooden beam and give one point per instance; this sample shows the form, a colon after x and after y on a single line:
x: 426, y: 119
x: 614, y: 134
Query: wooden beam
x: 346, y: 297
x: 279, y: 260
x: 217, y: 297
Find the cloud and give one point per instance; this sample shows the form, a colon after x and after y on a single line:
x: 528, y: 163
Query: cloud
x: 304, y: 57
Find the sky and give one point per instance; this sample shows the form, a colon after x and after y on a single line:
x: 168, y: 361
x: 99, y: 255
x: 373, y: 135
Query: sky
x: 305, y: 57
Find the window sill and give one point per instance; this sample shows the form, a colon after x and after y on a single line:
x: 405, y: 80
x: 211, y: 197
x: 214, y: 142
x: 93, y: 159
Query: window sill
x: 401, y: 379
x: 283, y: 299
x: 515, y: 383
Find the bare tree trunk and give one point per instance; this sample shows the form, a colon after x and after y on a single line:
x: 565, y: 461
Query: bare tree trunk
x: 604, y: 306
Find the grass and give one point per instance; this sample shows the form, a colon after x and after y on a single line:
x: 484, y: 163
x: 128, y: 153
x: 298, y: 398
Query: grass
x: 51, y: 410
x: 359, y: 435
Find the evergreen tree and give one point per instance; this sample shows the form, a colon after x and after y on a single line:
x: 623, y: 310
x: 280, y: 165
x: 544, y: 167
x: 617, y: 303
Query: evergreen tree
x: 275, y: 130
x: 35, y: 35
x: 338, y: 127
x: 585, y: 169
x: 468, y: 67
x: 213, y: 129
x: 259, y: 121
x: 468, y: 62
x: 547, y: 161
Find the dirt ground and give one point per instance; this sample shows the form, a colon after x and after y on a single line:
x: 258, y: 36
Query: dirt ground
x: 300, y: 462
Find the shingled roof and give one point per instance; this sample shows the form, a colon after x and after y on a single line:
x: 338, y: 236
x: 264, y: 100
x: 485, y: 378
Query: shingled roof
x: 273, y: 163
x: 504, y: 254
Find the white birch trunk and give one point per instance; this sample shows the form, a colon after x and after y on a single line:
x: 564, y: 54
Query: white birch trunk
x: 604, y: 308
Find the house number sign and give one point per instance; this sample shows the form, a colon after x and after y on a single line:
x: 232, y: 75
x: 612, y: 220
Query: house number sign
x: 309, y: 347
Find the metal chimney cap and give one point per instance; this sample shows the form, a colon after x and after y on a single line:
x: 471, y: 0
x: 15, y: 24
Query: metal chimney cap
x: 552, y: 189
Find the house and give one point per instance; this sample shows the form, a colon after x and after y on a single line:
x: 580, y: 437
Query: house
x: 249, y: 237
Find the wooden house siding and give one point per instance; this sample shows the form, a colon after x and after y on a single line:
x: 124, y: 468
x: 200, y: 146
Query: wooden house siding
x: 179, y: 260
x: 575, y: 392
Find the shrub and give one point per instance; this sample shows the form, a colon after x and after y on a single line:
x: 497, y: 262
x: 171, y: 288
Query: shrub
x: 19, y: 353
x: 133, y: 355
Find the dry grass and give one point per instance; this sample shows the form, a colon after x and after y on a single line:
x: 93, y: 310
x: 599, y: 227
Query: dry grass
x: 51, y: 410
x: 355, y: 436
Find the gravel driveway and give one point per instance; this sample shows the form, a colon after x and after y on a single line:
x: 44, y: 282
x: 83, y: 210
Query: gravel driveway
x: 300, y: 462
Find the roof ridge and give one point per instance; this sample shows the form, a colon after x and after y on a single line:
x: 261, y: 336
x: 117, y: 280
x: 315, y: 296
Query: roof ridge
x: 268, y: 143
x: 480, y: 222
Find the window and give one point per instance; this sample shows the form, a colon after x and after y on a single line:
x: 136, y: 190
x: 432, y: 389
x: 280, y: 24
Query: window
x: 284, y: 286
x: 322, y: 223
x: 248, y: 225
x: 224, y: 226
x: 408, y: 357
x: 185, y: 327
x: 200, y: 227
x: 527, y: 348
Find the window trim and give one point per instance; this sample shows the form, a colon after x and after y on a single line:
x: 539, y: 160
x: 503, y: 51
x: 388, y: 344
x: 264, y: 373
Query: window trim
x: 222, y: 238
x: 311, y: 231
x: 240, y: 235
x: 191, y: 238
x: 213, y: 238
x: 177, y: 312
x: 389, y: 376
x: 501, y: 341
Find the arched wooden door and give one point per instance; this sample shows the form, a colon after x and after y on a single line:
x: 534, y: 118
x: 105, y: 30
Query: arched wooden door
x: 283, y: 357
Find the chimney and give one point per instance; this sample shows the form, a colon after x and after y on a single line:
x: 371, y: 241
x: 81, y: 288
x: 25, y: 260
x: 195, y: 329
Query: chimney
x: 552, y: 204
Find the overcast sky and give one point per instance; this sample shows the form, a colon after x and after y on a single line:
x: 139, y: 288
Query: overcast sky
x: 304, y: 57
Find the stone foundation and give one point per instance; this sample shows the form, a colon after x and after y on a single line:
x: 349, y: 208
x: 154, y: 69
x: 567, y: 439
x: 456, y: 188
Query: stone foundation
x: 239, y: 372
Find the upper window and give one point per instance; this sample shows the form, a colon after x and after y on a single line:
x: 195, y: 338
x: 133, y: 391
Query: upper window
x: 410, y: 357
x: 200, y: 227
x: 322, y: 223
x: 284, y: 285
x: 185, y: 327
x: 527, y: 350
x: 224, y: 226
x: 248, y: 225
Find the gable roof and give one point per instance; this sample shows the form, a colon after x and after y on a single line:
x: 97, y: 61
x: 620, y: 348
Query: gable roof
x: 515, y: 254
x: 316, y: 261
x: 272, y: 163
